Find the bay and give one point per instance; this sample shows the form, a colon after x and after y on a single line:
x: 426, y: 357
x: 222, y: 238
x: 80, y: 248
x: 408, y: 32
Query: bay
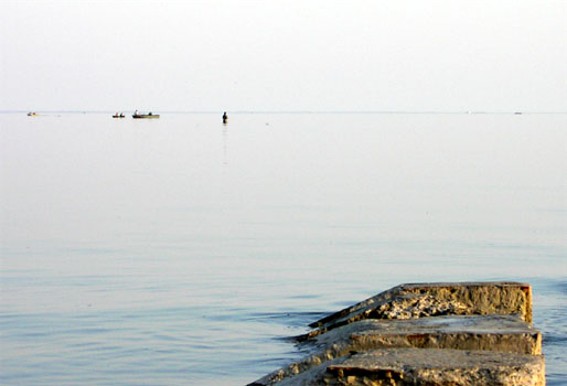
x: 185, y: 251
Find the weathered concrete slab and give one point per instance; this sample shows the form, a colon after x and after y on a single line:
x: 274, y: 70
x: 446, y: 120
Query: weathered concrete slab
x: 424, y: 334
x: 498, y: 333
x: 469, y: 332
x: 412, y: 301
x: 430, y: 367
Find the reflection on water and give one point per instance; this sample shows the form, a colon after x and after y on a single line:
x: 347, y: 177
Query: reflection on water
x: 181, y: 250
x: 225, y: 144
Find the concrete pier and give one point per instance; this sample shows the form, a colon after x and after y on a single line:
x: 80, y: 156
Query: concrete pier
x: 424, y: 334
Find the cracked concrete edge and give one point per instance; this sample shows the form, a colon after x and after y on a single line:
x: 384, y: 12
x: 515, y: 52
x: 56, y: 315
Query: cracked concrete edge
x: 404, y: 367
x: 464, y: 298
x: 495, y: 333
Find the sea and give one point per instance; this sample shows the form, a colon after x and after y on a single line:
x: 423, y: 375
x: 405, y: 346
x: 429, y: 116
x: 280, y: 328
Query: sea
x: 185, y: 251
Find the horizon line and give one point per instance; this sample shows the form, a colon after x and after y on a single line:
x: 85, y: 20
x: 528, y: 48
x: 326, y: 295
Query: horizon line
x: 296, y: 111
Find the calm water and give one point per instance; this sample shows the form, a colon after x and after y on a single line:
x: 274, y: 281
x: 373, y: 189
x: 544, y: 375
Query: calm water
x: 180, y: 251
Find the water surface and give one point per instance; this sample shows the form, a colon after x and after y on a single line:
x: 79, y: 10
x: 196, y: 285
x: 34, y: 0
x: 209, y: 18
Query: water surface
x: 182, y: 251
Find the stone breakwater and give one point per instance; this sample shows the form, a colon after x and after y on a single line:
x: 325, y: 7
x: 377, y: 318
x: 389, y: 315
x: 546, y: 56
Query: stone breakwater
x: 424, y: 334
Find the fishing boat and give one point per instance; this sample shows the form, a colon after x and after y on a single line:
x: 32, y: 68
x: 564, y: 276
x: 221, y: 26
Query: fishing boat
x: 138, y: 115
x: 121, y: 115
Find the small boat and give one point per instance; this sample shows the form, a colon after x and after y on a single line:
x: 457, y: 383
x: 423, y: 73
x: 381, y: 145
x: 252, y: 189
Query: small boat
x: 137, y: 115
x: 121, y: 115
x: 32, y: 114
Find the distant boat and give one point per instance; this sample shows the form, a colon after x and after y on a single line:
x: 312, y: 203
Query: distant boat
x: 32, y: 114
x: 121, y: 115
x: 137, y: 115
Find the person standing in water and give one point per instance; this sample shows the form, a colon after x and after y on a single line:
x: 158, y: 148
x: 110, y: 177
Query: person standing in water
x: 224, y: 118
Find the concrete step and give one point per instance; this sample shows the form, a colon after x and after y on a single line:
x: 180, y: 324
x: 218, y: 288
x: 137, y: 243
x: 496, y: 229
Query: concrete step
x: 431, y: 367
x: 417, y: 300
x: 498, y: 333
x: 424, y: 334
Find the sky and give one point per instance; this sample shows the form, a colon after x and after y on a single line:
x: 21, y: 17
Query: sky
x: 276, y: 55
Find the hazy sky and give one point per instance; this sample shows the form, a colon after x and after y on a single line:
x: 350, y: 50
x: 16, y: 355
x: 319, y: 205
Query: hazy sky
x: 497, y: 55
